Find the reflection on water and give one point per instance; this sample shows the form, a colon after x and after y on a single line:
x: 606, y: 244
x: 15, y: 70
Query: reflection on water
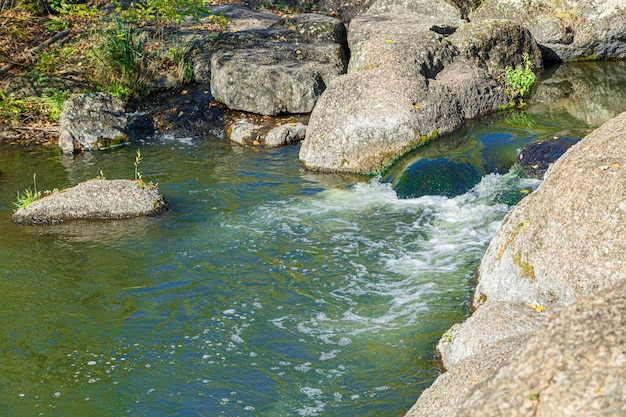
x: 570, y: 101
x: 266, y: 290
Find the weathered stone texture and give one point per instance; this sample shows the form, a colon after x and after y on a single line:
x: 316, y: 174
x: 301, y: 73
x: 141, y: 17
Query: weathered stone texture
x: 94, y: 199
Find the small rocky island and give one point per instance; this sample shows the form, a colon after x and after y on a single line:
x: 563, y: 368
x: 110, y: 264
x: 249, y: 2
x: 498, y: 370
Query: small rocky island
x: 97, y: 199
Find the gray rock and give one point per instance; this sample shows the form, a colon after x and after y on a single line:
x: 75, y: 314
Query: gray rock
x: 345, y: 9
x: 453, y: 387
x: 285, y: 134
x: 400, y: 41
x: 243, y: 132
x: 492, y: 322
x: 92, y: 121
x: 283, y: 69
x: 365, y: 120
x: 593, y: 29
x: 94, y: 199
x: 574, y: 366
x: 565, y: 240
x: 475, y: 42
x: 440, y: 9
x: 406, y: 85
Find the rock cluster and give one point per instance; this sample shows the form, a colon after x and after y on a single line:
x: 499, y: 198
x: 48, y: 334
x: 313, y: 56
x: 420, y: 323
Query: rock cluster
x: 548, y: 335
x: 412, y: 77
x: 282, y: 68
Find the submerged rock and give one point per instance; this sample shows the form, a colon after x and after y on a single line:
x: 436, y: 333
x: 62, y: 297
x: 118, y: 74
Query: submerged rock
x: 95, y: 199
x: 92, y: 121
x: 535, y: 158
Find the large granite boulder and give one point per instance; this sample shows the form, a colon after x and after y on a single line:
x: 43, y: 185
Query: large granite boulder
x: 495, y: 44
x: 96, y: 199
x: 492, y: 322
x: 432, y: 8
x: 572, y: 366
x: 564, y: 30
x: 564, y: 241
x: 281, y: 69
x: 408, y: 82
x: 92, y: 121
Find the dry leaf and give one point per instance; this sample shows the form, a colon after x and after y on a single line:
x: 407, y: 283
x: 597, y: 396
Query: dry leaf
x: 537, y: 307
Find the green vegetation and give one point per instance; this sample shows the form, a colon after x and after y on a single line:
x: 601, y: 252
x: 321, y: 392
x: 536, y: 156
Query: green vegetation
x: 26, y: 197
x: 138, y: 159
x: 48, y: 106
x: 117, y: 58
x: 166, y: 11
x: 519, y: 81
x: 127, y: 52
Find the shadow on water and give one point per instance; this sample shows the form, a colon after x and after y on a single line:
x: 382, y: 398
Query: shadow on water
x: 570, y: 101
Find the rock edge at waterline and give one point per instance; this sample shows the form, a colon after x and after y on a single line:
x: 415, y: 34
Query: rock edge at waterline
x: 560, y: 251
x: 94, y: 200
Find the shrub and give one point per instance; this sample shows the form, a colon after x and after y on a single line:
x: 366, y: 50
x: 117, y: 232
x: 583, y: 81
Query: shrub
x: 519, y: 81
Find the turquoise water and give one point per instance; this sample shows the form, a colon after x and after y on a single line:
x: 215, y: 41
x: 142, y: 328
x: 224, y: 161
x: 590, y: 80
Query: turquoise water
x: 265, y: 291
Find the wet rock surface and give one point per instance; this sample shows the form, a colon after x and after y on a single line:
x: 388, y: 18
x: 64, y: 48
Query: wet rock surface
x: 535, y: 158
x: 182, y: 113
x: 94, y: 200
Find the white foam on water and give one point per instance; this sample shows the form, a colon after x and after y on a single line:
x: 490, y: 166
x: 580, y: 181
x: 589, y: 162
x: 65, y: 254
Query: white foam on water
x: 387, y: 282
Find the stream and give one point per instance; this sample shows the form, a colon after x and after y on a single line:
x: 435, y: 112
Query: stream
x: 265, y: 290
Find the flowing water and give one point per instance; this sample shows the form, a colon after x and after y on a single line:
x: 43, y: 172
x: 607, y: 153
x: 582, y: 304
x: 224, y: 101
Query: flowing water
x: 266, y: 290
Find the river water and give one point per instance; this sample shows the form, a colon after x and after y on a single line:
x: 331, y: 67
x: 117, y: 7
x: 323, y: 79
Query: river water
x: 266, y: 290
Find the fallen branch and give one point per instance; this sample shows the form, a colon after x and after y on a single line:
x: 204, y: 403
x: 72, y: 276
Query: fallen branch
x: 50, y: 41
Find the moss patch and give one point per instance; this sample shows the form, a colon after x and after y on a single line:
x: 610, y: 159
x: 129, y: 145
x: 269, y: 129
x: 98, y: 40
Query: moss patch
x: 527, y: 269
